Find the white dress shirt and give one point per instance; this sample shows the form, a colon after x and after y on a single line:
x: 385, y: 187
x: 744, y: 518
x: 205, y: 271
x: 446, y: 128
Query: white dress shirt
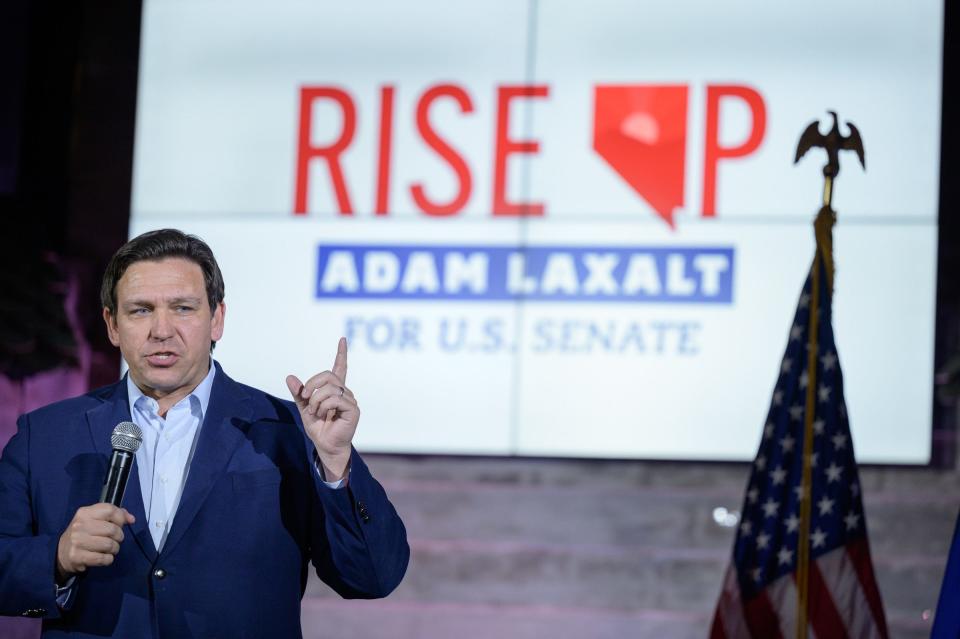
x: 163, y: 459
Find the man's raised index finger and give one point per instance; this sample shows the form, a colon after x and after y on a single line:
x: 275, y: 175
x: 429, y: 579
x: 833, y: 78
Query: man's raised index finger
x: 340, y: 361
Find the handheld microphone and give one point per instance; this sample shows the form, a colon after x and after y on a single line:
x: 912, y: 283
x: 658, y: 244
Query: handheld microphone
x: 126, y: 439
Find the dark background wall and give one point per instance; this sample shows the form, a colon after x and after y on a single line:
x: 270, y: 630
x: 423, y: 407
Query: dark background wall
x: 69, y: 72
x: 948, y: 285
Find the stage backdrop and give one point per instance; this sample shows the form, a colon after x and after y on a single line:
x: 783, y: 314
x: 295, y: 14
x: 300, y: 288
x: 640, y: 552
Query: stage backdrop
x: 553, y: 228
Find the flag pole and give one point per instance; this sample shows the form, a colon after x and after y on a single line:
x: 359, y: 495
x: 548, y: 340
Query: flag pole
x: 832, y: 143
x: 823, y: 227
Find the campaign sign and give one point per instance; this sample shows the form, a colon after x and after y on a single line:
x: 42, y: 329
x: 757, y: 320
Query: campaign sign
x: 553, y: 228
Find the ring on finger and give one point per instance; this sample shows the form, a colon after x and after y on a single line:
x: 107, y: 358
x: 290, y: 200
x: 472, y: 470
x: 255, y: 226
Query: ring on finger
x: 341, y: 392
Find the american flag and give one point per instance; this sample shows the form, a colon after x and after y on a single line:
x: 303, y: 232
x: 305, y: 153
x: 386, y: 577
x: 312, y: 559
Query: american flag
x: 760, y: 591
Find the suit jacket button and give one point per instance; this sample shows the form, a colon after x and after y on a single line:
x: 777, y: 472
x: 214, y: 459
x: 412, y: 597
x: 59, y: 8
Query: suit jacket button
x: 159, y: 573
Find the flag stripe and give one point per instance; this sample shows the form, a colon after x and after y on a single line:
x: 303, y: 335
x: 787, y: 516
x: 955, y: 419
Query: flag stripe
x: 716, y: 629
x: 858, y: 554
x: 761, y: 618
x: 840, y: 578
x: 783, y: 596
x: 824, y: 616
x: 783, y: 599
x: 729, y: 618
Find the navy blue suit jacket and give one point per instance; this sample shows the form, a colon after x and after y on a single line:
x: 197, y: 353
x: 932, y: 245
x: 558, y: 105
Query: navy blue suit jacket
x: 252, y: 514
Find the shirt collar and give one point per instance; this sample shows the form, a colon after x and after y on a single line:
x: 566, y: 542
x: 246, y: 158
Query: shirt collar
x: 201, y: 393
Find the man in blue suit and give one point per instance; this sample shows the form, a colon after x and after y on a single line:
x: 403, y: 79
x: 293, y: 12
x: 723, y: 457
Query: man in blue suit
x: 232, y: 491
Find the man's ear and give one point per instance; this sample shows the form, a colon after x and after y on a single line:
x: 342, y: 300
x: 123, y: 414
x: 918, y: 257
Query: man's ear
x: 113, y: 332
x: 216, y: 322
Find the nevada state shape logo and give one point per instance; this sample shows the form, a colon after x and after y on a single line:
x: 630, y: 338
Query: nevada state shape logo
x: 640, y: 130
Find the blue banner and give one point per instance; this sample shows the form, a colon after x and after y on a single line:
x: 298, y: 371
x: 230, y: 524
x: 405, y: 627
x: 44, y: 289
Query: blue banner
x: 682, y: 274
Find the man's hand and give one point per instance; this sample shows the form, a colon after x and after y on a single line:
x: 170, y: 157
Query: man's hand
x: 329, y: 412
x: 92, y: 539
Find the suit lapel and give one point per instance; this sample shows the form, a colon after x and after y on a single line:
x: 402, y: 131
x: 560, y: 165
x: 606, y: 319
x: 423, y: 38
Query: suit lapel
x: 219, y: 437
x: 133, y: 502
x: 102, y: 420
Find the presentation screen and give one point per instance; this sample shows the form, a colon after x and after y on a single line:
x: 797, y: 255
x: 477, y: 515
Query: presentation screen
x: 553, y: 228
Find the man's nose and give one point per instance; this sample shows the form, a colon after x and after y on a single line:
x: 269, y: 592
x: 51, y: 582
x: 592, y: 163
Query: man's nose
x: 162, y: 328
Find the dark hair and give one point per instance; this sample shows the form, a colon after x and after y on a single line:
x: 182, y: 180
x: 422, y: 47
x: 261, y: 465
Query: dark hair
x: 157, y: 245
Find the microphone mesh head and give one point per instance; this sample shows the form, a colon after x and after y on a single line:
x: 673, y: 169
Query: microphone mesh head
x: 126, y: 436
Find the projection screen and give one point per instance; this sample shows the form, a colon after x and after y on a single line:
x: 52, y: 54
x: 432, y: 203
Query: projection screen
x: 553, y: 228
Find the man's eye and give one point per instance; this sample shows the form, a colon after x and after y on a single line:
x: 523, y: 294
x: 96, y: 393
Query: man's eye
x: 139, y: 311
x: 184, y: 309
